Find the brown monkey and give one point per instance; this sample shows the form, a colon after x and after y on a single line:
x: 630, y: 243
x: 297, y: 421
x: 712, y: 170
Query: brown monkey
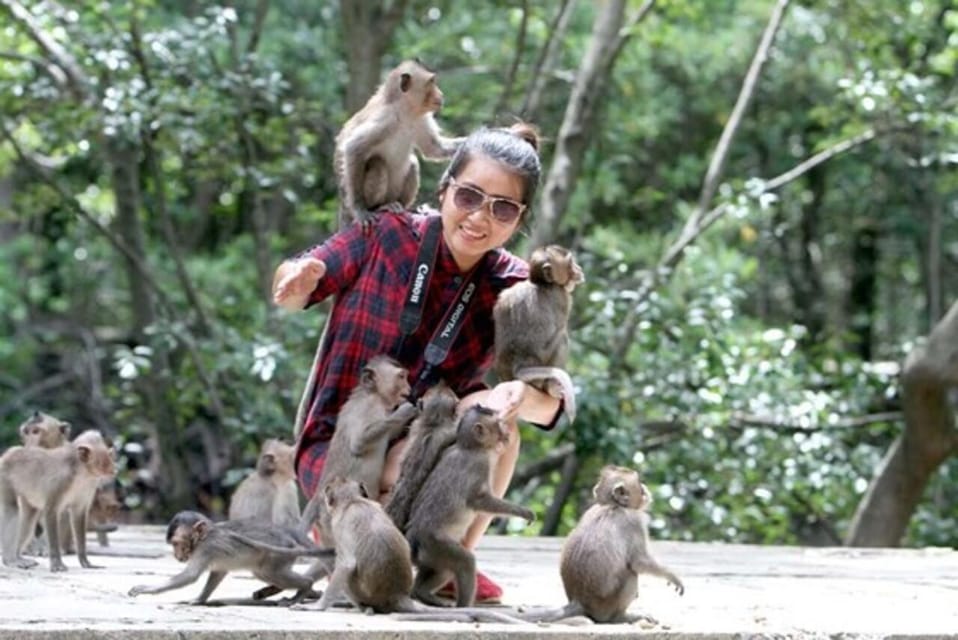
x: 103, y: 512
x: 374, y: 159
x: 265, y: 549
x: 42, y: 430
x: 602, y: 557
x: 456, y: 490
x: 35, y: 480
x: 429, y: 435
x: 373, y: 565
x: 366, y: 423
x: 531, y: 324
x: 270, y: 493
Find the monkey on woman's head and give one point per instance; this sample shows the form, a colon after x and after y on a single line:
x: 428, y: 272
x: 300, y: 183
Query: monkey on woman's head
x: 375, y: 161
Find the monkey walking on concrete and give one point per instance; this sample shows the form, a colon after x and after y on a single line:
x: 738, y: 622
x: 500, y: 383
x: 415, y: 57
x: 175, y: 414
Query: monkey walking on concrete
x: 531, y: 325
x: 35, y: 481
x: 265, y: 549
x: 374, y: 160
x: 270, y: 493
x: 454, y: 493
x: 429, y: 435
x: 373, y: 565
x: 603, y: 556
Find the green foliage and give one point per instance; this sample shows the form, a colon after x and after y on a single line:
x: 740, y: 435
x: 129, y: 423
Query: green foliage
x: 741, y: 391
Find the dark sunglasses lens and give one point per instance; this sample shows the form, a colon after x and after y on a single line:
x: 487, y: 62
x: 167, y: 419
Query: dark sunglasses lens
x: 468, y: 199
x: 505, y: 211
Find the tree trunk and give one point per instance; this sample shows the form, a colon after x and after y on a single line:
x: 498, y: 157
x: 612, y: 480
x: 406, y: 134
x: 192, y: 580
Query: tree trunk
x: 864, y: 286
x: 609, y: 34
x: 368, y: 28
x: 929, y: 439
x: 570, y: 470
x: 173, y: 478
x: 546, y: 63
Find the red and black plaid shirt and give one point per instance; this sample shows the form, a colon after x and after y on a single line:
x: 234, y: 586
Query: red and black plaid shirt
x: 369, y: 274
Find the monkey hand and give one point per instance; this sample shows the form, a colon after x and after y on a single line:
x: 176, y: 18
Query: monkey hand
x: 300, y: 280
x: 528, y: 515
x: 677, y: 584
x: 137, y: 590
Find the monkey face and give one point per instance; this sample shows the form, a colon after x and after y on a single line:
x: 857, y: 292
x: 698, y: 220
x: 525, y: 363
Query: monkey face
x: 183, y: 542
x: 41, y: 430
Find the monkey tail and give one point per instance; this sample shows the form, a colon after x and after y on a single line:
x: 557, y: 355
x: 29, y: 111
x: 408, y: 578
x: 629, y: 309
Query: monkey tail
x: 569, y: 614
x: 531, y: 374
x: 409, y: 609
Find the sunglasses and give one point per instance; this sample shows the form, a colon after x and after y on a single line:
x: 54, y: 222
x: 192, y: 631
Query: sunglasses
x: 470, y: 199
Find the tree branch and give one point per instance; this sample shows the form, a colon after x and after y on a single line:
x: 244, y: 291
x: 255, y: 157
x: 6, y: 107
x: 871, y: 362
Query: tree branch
x: 546, y: 61
x: 520, y: 46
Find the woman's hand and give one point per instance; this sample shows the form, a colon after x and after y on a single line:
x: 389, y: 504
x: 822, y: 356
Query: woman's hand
x: 506, y: 398
x: 294, y: 281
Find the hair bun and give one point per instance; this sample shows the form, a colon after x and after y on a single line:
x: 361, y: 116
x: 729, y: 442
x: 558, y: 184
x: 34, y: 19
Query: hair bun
x: 527, y: 132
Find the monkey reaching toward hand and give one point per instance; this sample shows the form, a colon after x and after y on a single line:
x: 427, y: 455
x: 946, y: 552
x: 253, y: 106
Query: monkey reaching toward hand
x: 429, y: 435
x: 457, y: 489
x: 265, y: 549
x: 602, y: 557
x: 270, y: 493
x: 35, y: 481
x: 531, y: 325
x: 374, y: 160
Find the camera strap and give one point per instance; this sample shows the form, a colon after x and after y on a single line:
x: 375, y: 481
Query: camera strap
x: 445, y: 334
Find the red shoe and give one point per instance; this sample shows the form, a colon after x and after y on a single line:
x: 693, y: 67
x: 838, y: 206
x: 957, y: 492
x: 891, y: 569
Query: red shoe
x: 487, y: 591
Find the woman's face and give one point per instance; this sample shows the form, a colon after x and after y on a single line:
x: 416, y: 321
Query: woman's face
x: 469, y: 235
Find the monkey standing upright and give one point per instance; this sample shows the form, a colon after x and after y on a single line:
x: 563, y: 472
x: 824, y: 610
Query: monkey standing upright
x: 34, y: 480
x: 531, y: 325
x: 270, y: 493
x: 265, y: 549
x: 602, y: 557
x: 454, y: 493
x: 429, y: 435
x: 374, y: 159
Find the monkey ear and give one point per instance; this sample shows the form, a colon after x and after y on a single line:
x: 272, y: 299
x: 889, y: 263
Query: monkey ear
x: 328, y: 496
x: 363, y: 491
x: 201, y: 529
x: 547, y: 272
x: 405, y: 80
x: 84, y: 452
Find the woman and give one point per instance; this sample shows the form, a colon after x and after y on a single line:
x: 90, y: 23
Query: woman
x: 412, y: 281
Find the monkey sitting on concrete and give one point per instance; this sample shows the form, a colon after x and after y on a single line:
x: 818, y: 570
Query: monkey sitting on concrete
x: 374, y: 160
x: 457, y: 489
x: 602, y: 557
x: 531, y: 325
x: 35, y: 481
x: 265, y: 549
x: 373, y: 565
x: 429, y: 435
x: 270, y: 493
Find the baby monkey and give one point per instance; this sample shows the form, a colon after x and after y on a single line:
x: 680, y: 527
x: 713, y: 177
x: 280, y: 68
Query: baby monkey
x: 603, y: 556
x: 265, y: 549
x: 532, y: 325
x: 374, y: 160
x: 42, y: 430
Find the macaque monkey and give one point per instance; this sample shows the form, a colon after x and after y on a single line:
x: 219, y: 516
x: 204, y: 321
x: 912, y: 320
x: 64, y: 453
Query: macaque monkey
x: 42, y: 430
x: 34, y: 480
x: 265, y: 549
x: 602, y: 557
x: 374, y: 159
x: 457, y: 489
x: 429, y: 435
x: 103, y: 512
x: 270, y: 493
x: 531, y: 325
x: 373, y: 565
x: 374, y: 414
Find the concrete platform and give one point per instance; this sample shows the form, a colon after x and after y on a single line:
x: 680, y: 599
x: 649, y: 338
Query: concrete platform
x: 732, y: 591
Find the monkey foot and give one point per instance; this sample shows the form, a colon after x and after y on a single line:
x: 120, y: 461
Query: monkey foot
x: 487, y: 591
x: 21, y: 563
